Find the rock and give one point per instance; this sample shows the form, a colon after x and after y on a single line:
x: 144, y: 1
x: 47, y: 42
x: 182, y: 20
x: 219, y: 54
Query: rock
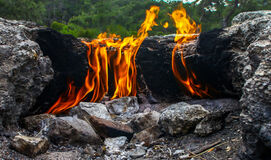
x: 86, y: 109
x: 252, y: 64
x: 115, y: 145
x: 221, y: 106
x: 71, y: 130
x: 145, y: 120
x: 177, y: 152
x: 70, y: 155
x: 138, y: 152
x: 148, y: 136
x: 246, y: 16
x: 30, y: 146
x: 24, y: 70
x: 106, y: 128
x: 210, y: 124
x: 248, y: 44
x: 123, y: 106
x: 36, y: 122
x: 180, y: 118
x: 69, y: 61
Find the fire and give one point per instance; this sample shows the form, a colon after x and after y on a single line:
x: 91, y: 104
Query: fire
x: 165, y: 25
x: 187, y: 30
x: 104, y: 53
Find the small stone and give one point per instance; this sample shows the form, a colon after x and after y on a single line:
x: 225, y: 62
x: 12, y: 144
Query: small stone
x: 180, y: 118
x: 145, y: 120
x: 86, y: 109
x: 124, y: 105
x: 71, y: 130
x: 137, y: 152
x: 36, y: 122
x: 177, y: 152
x: 148, y: 136
x: 209, y: 125
x: 114, y: 145
x: 106, y: 128
x: 30, y: 146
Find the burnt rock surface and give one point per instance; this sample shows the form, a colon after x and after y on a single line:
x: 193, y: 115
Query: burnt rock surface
x: 206, y: 56
x: 24, y: 70
x: 154, y: 59
x: 69, y: 61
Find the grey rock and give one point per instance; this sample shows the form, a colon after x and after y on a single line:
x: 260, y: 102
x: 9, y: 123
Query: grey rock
x: 24, y: 70
x: 71, y: 130
x: 115, y: 145
x: 36, y: 122
x: 138, y: 152
x: 86, y: 109
x: 250, y: 69
x: 106, y: 128
x: 30, y: 146
x: 148, y: 136
x: 124, y: 105
x: 144, y: 120
x: 265, y: 134
x: 209, y: 125
x: 180, y: 118
x: 177, y: 152
x: 246, y: 16
x: 123, y: 109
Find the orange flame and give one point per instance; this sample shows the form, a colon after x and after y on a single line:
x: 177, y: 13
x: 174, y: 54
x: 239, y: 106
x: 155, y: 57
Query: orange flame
x: 165, y: 25
x: 100, y: 58
x: 187, y: 30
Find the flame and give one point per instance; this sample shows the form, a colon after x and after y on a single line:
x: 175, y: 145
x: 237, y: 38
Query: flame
x: 187, y: 30
x: 104, y: 53
x: 165, y: 25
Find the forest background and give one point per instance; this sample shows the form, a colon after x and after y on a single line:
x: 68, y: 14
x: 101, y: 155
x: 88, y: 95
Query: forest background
x: 88, y: 18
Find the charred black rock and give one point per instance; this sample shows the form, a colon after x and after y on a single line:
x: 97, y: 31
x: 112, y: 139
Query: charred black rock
x: 69, y: 59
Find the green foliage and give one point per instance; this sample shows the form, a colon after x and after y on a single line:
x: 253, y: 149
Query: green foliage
x: 88, y: 18
x: 22, y: 10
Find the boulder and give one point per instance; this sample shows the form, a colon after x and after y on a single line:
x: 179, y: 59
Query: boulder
x: 145, y: 120
x: 71, y: 130
x: 106, y: 128
x: 30, y: 146
x: 251, y: 32
x: 86, y: 109
x: 24, y: 70
x: 248, y: 46
x: 180, y: 118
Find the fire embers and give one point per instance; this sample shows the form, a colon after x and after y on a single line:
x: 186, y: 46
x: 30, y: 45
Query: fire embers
x: 101, y: 58
x: 187, y: 30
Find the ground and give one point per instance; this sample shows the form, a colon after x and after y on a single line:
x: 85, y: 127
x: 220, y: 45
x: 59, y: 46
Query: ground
x: 162, y: 148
